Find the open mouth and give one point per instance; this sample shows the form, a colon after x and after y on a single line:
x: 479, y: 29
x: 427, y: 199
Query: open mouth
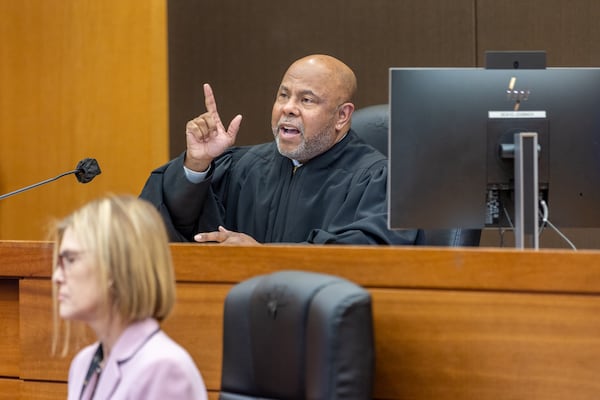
x: 287, y: 130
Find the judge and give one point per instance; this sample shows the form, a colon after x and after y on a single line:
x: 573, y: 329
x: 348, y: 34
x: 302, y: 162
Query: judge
x: 317, y: 182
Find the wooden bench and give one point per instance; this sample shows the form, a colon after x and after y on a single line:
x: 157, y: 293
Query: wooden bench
x: 450, y: 323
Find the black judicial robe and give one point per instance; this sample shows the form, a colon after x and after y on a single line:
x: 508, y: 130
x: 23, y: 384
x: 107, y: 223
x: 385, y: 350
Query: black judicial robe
x: 337, y: 197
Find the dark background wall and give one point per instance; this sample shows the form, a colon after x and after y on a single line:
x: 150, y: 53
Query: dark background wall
x: 243, y: 48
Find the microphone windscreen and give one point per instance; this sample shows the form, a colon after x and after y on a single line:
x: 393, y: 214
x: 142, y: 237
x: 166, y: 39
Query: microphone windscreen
x: 87, y: 169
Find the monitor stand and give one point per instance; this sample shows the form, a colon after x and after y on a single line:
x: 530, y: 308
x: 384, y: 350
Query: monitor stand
x: 526, y: 190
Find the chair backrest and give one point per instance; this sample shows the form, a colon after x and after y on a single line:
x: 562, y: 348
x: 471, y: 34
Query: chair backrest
x: 371, y: 124
x: 297, y: 335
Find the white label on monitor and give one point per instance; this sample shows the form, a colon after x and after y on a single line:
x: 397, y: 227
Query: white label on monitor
x: 516, y: 114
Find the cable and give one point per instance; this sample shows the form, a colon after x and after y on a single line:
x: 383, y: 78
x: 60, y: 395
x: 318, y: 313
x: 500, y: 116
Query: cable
x: 543, y: 213
x: 507, y: 215
x: 502, y: 230
x: 546, y: 221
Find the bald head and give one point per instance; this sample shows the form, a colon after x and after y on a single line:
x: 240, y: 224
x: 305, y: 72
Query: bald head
x: 339, y: 77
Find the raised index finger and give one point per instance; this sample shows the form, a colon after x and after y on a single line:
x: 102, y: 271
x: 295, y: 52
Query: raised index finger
x: 211, y: 105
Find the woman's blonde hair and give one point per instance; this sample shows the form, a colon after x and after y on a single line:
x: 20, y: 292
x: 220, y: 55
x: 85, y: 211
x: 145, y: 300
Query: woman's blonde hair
x: 128, y: 241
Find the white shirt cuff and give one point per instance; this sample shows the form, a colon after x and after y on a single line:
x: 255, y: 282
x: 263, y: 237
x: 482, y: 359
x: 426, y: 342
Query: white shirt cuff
x: 194, y: 176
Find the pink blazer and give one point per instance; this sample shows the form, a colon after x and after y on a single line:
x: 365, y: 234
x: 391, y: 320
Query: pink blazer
x: 144, y: 364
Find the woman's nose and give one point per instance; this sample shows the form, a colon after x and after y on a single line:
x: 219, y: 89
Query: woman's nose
x: 57, y: 275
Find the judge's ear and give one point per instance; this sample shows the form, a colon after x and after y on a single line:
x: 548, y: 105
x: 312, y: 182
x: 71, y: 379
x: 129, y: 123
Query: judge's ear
x: 344, y: 114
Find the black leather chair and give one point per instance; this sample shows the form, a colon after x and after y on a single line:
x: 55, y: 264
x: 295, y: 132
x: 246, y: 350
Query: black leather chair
x: 371, y: 124
x: 297, y: 335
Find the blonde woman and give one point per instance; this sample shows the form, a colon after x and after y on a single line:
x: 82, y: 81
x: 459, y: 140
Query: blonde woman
x: 113, y: 271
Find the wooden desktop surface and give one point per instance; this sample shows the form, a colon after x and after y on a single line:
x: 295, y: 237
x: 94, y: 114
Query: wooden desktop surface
x: 450, y: 323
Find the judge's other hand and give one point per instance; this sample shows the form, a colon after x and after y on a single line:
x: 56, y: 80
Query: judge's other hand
x: 224, y: 236
x: 206, y: 136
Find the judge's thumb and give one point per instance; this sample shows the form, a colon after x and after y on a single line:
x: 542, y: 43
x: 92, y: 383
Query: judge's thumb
x: 234, y: 126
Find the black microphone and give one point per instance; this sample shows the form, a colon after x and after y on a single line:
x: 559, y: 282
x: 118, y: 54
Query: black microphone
x: 85, y: 171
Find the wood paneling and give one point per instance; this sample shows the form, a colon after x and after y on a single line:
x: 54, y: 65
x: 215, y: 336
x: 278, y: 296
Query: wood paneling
x: 251, y: 53
x: 196, y: 321
x: 10, y: 351
x: 43, y: 390
x: 26, y: 259
x: 197, y: 324
x: 10, y: 389
x: 37, y: 360
x: 418, y: 267
x: 485, y: 345
x: 449, y: 323
x: 568, y: 31
x: 243, y: 49
x: 79, y: 79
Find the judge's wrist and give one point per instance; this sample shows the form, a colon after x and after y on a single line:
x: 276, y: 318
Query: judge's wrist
x: 196, y: 165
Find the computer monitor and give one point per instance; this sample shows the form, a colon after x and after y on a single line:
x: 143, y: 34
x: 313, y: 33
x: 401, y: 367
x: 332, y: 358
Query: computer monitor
x: 448, y: 127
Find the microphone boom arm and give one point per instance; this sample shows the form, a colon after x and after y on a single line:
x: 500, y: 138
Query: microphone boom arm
x: 37, y: 184
x: 86, y: 170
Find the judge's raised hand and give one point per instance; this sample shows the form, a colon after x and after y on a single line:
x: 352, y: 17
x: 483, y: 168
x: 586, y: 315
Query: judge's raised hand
x: 206, y: 136
x: 224, y: 236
